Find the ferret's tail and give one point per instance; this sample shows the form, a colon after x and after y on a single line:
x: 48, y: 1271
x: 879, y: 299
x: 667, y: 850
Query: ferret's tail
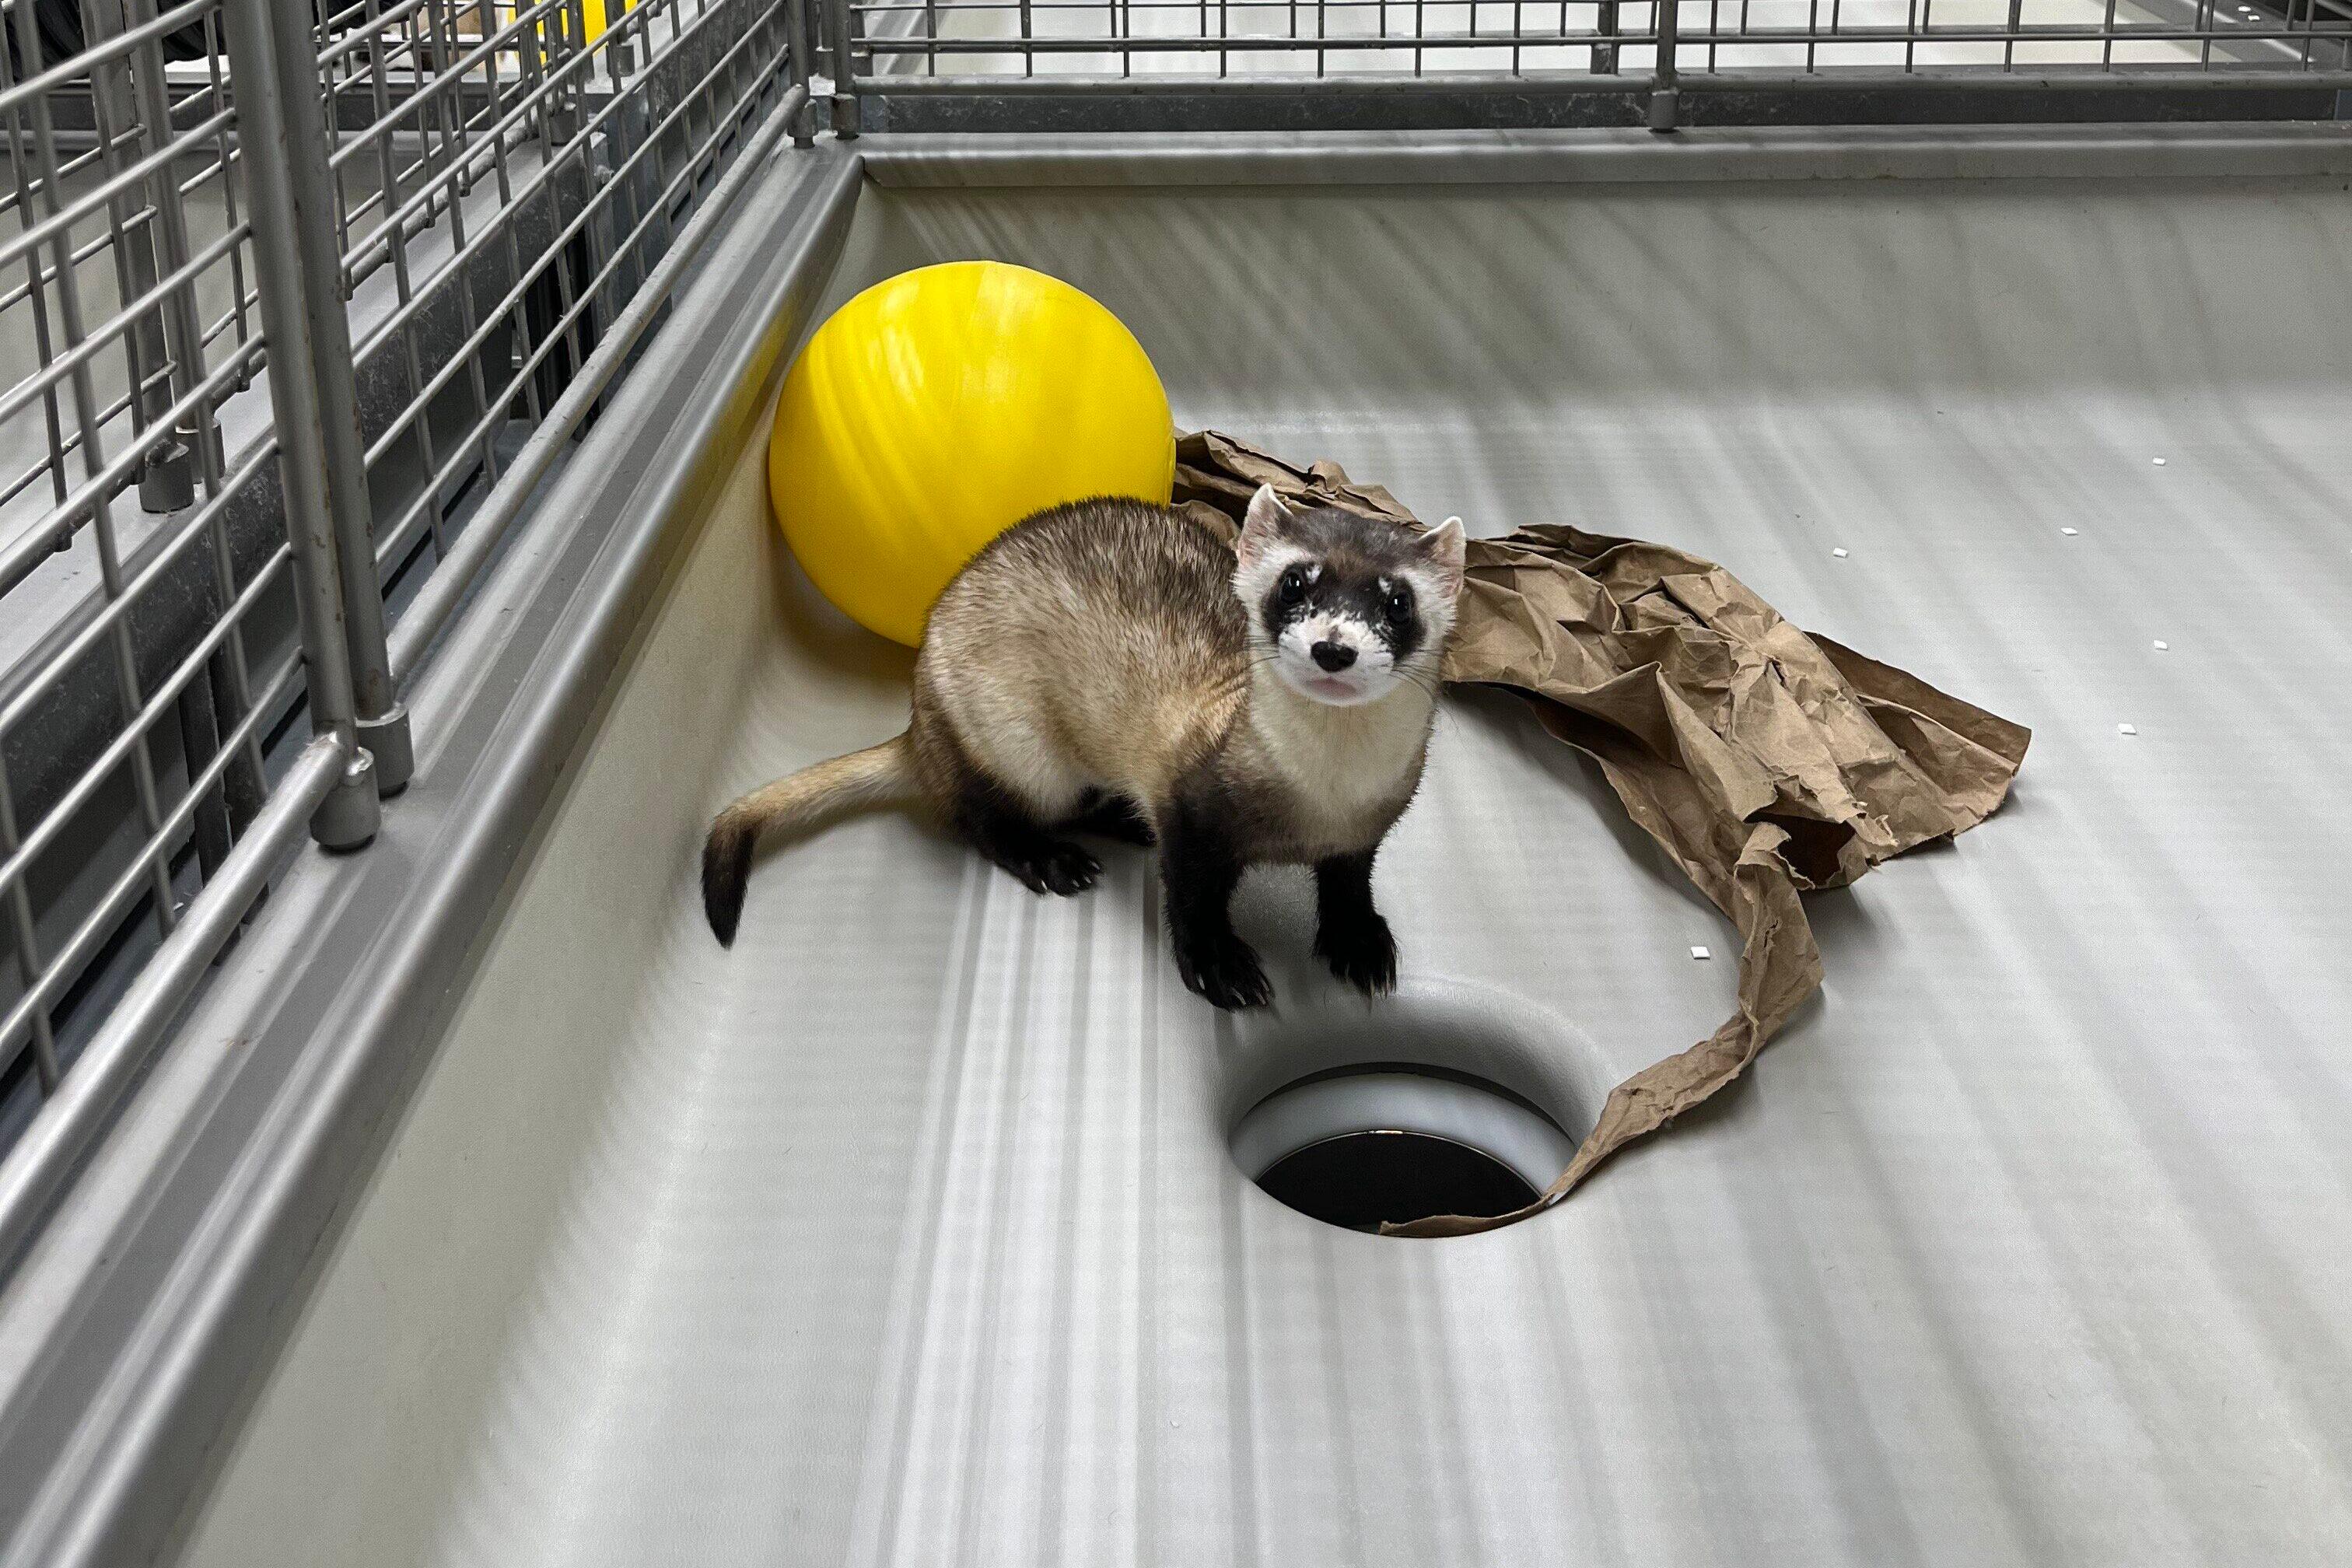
x: 810, y: 798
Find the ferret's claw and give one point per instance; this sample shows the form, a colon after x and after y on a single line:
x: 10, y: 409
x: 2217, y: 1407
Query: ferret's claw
x: 1225, y: 973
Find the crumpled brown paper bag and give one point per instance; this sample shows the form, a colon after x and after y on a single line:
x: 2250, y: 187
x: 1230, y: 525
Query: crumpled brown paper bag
x: 1765, y: 761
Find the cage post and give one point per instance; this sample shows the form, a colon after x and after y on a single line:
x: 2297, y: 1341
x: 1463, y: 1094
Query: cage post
x: 804, y: 117
x: 570, y: 84
x: 1664, y: 94
x: 844, y: 97
x: 382, y: 721
x: 211, y: 707
x: 812, y: 35
x: 349, y: 815
x: 165, y: 480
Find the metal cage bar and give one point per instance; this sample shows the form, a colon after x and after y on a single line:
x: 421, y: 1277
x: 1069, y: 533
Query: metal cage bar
x: 1014, y: 64
x: 311, y: 298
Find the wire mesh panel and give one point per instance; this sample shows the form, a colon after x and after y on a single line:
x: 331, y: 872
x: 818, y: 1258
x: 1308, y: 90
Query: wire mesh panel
x: 505, y: 179
x: 404, y: 246
x: 1191, y: 38
x: 138, y: 682
x: 1025, y: 50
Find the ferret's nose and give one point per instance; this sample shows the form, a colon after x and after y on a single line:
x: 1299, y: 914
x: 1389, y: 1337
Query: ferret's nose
x: 1334, y: 656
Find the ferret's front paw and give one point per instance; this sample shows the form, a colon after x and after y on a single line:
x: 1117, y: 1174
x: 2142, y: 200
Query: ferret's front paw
x: 1225, y: 971
x: 1360, y: 952
x: 1055, y: 866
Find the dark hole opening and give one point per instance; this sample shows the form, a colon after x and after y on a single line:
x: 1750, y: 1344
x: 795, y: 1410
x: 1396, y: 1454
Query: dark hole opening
x: 1361, y: 1180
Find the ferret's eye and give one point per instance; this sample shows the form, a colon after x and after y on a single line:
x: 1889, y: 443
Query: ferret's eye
x: 1399, y: 608
x: 1292, y: 589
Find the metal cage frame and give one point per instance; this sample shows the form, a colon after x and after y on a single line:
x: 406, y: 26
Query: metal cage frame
x: 316, y: 303
x: 1092, y: 65
x: 321, y: 299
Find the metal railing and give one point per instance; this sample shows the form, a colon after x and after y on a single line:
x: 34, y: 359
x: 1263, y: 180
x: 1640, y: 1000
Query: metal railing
x: 1778, y: 60
x: 301, y: 304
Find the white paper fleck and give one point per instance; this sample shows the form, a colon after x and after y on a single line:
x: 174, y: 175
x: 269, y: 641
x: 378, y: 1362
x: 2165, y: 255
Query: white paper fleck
x: 1700, y: 952
x: 2070, y: 532
x: 1838, y: 554
x: 2162, y: 646
x: 2127, y: 729
x: 2158, y: 461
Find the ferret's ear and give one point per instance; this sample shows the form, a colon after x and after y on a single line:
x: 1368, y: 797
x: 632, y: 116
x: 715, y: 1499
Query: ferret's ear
x: 1444, y: 546
x: 1268, y: 520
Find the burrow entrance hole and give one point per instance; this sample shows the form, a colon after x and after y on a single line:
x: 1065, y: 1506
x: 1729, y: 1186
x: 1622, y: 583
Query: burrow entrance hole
x: 1386, y: 1142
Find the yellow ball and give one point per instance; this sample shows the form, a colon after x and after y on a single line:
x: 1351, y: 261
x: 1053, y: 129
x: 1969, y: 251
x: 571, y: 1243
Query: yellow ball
x: 938, y: 408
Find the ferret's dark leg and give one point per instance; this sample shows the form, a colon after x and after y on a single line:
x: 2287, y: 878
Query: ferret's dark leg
x: 1201, y: 867
x: 1001, y: 829
x: 1107, y: 815
x: 1350, y: 935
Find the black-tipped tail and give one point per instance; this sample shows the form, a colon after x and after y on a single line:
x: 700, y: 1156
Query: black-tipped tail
x: 799, y: 800
x: 726, y: 870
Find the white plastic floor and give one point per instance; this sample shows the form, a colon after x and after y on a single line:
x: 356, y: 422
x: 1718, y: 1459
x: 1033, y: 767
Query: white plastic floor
x: 905, y: 1233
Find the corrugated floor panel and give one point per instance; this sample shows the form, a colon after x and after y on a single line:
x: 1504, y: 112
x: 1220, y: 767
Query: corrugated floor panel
x: 905, y: 1233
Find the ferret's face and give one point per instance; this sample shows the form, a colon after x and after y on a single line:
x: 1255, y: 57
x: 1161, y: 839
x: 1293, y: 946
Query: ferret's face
x: 1345, y: 610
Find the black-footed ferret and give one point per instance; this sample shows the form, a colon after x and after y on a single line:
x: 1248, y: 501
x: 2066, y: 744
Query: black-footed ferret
x: 1111, y: 667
